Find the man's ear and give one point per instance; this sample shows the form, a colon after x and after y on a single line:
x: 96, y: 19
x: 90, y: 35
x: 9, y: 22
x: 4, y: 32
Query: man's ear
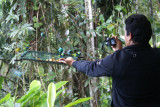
x: 130, y: 36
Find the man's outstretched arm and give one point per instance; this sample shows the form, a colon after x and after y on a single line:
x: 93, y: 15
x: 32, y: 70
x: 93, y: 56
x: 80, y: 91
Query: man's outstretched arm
x: 103, y: 67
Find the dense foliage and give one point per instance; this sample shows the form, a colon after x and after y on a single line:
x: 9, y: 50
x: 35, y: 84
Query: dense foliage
x: 47, y: 25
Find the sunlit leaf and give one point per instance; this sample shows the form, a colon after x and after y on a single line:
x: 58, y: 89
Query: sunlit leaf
x: 60, y: 84
x: 36, y: 25
x: 32, y: 92
x: 26, y: 25
x: 34, y: 19
x: 110, y: 27
x: 34, y: 83
x: 28, y: 98
x: 125, y: 10
x: 78, y: 101
x: 119, y: 8
x: 5, y: 98
x: 51, y: 96
x: 59, y: 92
x: 101, y: 17
x: 14, y: 33
x: 12, y: 16
x: 40, y: 101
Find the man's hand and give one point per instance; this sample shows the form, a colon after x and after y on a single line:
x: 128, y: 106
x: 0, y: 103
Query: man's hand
x: 118, y: 44
x: 67, y: 61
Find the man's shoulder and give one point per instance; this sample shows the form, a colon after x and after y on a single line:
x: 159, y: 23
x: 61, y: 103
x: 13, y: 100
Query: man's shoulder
x: 156, y: 50
x: 113, y: 55
x: 118, y: 53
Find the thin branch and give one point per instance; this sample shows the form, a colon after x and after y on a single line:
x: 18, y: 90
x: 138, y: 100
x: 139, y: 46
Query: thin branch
x: 37, y: 28
x: 41, y: 78
x: 1, y: 65
x: 43, y: 14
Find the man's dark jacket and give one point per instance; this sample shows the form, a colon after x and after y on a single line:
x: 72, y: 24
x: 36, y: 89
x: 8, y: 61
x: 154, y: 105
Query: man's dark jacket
x: 135, y: 71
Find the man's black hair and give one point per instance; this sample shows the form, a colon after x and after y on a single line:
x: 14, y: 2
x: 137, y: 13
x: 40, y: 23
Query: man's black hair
x: 139, y: 27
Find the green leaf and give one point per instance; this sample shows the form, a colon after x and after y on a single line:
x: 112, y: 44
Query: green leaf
x: 23, y: 30
x: 26, y: 25
x: 101, y: 17
x: 119, y: 8
x: 110, y: 27
x: 11, y: 16
x: 157, y: 30
x: 51, y: 76
x: 35, y: 7
x: 60, y: 84
x: 30, y: 28
x: 14, y: 33
x: 41, y: 71
x: 1, y: 82
x: 5, y: 98
x: 40, y: 101
x: 34, y: 19
x: 114, y: 31
x: 125, y: 10
x: 78, y: 101
x: 87, y: 83
x: 29, y: 98
x: 76, y: 42
x: 34, y: 83
x: 104, y: 25
x: 28, y: 94
x: 59, y: 92
x: 36, y: 25
x: 51, y: 95
x: 10, y: 103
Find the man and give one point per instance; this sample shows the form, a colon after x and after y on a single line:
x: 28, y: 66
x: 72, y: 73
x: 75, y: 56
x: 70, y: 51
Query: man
x: 135, y: 69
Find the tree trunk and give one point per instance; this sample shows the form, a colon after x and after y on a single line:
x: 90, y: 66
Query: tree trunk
x: 68, y: 75
x: 90, y: 33
x: 91, y: 50
x: 151, y: 14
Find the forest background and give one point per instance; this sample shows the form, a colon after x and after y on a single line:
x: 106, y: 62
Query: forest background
x: 77, y: 25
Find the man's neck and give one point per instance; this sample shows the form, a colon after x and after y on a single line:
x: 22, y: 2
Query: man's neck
x: 132, y: 43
